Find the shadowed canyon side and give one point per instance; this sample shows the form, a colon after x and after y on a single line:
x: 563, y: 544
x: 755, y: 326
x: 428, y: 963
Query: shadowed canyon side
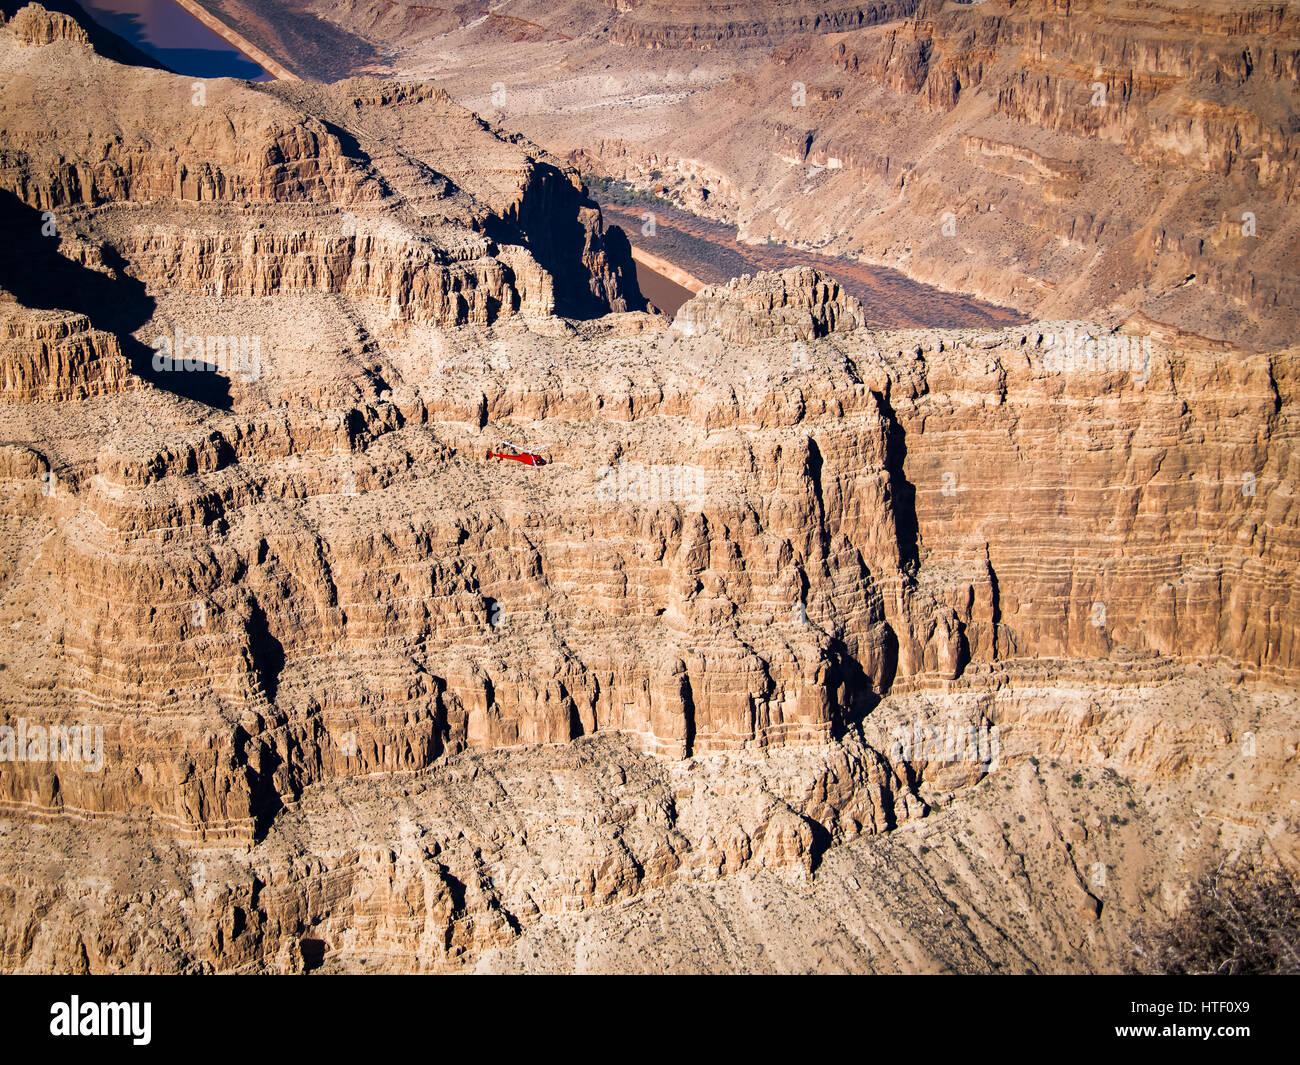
x: 875, y: 641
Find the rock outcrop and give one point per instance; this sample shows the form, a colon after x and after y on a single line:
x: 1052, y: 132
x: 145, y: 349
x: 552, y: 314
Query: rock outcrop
x: 55, y: 356
x: 658, y: 24
x: 33, y: 24
x: 459, y: 223
x: 801, y: 304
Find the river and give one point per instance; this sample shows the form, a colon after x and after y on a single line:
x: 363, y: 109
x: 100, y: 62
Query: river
x: 170, y: 34
x: 699, y: 251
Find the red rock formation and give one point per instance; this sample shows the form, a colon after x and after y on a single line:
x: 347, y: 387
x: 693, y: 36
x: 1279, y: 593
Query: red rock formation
x: 466, y: 242
x: 57, y: 356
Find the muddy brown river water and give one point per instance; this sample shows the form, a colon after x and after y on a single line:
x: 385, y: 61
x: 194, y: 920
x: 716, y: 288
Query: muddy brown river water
x: 711, y: 252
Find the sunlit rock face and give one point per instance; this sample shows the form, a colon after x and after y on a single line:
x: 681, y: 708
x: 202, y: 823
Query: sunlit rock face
x: 795, y: 605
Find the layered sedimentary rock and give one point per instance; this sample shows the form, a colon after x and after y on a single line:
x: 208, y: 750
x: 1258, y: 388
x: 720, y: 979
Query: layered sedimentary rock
x: 798, y: 304
x: 797, y: 610
x: 672, y: 24
x: 737, y: 545
x: 592, y: 857
x: 52, y: 356
x: 1029, y: 153
x: 33, y: 24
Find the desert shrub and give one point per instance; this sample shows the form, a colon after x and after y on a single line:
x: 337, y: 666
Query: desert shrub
x: 1241, y: 918
x: 620, y: 193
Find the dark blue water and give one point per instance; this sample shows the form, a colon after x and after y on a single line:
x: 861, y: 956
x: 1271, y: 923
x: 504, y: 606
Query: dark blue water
x: 174, y: 37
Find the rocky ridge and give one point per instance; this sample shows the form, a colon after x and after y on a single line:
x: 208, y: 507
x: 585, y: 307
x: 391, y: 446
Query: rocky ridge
x: 415, y: 226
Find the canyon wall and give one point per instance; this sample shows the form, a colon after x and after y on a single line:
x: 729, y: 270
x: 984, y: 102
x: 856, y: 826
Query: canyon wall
x: 1077, y: 159
x: 312, y: 677
x: 735, y: 546
x: 255, y: 189
x: 660, y: 24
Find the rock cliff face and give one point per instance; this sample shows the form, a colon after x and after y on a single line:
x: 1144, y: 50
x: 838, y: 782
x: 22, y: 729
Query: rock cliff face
x: 794, y: 606
x: 32, y: 24
x: 593, y: 857
x: 672, y: 24
x: 734, y: 547
x: 53, y: 356
x: 231, y: 188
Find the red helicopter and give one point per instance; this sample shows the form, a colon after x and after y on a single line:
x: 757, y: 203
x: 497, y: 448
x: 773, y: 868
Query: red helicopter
x: 517, y: 454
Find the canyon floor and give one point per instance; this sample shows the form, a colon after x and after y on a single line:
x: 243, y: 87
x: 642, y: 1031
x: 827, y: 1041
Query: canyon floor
x: 951, y: 634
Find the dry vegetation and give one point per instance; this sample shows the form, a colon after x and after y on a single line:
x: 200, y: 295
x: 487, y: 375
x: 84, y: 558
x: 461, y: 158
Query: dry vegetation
x: 1242, y: 918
